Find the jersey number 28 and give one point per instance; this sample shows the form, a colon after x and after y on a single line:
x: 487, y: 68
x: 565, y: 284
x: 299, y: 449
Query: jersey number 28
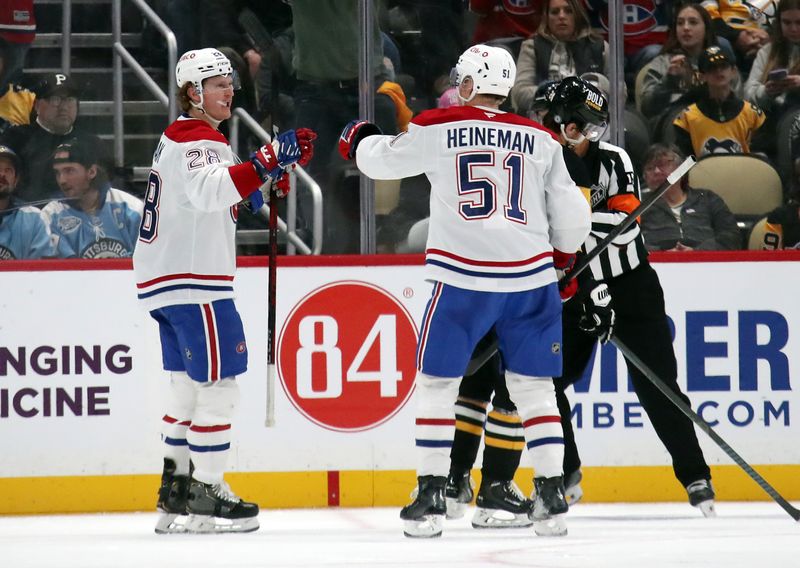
x: 148, y: 230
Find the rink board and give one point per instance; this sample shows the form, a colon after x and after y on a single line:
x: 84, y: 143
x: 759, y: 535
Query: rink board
x: 81, y: 384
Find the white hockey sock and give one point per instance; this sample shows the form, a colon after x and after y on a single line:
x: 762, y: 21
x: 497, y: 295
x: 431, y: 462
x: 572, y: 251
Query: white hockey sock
x: 436, y: 423
x: 535, y: 398
x: 209, y: 436
x: 177, y: 419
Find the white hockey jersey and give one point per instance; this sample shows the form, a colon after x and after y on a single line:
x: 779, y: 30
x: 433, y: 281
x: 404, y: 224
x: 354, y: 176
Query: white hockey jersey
x: 501, y: 196
x: 186, y: 252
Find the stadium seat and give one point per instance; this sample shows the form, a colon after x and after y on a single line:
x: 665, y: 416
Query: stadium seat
x: 749, y: 185
x: 756, y: 238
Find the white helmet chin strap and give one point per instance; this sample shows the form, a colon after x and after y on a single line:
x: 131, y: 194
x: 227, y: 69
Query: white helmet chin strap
x: 572, y: 141
x: 199, y: 106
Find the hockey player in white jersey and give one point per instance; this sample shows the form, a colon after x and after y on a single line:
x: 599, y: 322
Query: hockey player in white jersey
x: 184, y: 264
x: 501, y: 201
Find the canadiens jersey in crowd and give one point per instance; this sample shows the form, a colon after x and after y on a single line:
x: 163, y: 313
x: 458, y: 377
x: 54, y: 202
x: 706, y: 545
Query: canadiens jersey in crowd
x: 501, y: 195
x: 644, y: 22
x: 191, y: 190
x: 730, y: 135
x: 24, y: 234
x: 109, y: 232
x: 613, y: 195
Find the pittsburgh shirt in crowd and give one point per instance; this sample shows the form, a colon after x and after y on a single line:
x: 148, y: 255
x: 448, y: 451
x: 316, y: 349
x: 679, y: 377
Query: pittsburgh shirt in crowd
x: 719, y: 128
x: 109, y: 232
x: 16, y: 105
x: 783, y: 228
x: 24, y: 234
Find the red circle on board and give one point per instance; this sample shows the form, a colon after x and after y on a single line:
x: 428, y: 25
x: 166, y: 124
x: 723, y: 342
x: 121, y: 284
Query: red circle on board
x: 346, y: 356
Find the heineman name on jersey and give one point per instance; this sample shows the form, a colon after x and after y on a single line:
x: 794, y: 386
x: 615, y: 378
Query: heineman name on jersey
x: 465, y: 136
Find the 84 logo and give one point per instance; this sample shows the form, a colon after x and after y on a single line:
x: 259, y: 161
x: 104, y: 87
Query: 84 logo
x: 346, y: 356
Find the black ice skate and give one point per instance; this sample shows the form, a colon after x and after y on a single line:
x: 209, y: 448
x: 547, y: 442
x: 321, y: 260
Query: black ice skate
x: 500, y: 504
x: 701, y: 495
x: 215, y: 508
x: 549, y: 506
x: 425, y: 516
x: 572, y: 487
x: 458, y: 494
x: 172, y: 498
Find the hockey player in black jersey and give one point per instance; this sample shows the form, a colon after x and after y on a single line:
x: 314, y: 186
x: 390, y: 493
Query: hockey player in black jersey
x: 577, y: 112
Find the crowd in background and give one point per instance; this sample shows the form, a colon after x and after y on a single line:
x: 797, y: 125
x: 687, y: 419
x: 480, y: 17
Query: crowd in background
x: 710, y: 77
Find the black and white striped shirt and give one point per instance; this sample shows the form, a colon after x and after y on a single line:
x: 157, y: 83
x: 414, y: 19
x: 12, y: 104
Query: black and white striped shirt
x: 612, y: 175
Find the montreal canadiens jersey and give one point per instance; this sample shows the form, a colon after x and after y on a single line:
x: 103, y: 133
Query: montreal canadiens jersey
x: 501, y: 196
x: 24, y: 234
x: 186, y: 252
x: 109, y: 232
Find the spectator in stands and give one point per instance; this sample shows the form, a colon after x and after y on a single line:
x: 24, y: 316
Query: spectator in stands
x: 774, y: 80
x: 644, y: 29
x: 743, y: 24
x: 783, y: 228
x: 56, y: 108
x: 671, y: 77
x: 719, y: 122
x: 685, y: 218
x: 501, y: 19
x: 326, y: 65
x: 18, y: 29
x: 96, y: 220
x: 223, y: 26
x: 16, y: 102
x: 564, y: 45
x: 23, y: 230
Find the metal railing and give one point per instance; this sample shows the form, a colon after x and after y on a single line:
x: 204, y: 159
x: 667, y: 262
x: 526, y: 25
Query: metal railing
x: 299, y: 174
x: 122, y: 54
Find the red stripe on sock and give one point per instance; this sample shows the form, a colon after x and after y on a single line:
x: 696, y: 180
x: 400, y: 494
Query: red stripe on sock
x: 436, y: 422
x: 170, y: 420
x: 217, y: 428
x: 333, y: 489
x: 541, y: 420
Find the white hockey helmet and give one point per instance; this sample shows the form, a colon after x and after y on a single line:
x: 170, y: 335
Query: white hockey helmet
x: 198, y: 64
x: 492, y: 70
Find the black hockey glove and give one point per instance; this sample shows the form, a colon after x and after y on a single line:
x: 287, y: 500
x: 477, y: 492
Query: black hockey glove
x: 598, y: 316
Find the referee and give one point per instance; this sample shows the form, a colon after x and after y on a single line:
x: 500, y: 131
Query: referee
x: 578, y: 113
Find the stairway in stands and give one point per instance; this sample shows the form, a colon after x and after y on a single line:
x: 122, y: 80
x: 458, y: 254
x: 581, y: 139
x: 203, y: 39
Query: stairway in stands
x: 91, y: 65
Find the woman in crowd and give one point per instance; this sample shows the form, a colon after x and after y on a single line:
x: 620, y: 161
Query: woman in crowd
x: 564, y: 45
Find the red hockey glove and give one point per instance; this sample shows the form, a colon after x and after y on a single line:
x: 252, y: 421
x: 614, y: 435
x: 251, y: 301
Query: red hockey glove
x: 305, y: 137
x: 271, y: 159
x: 563, y: 263
x: 353, y: 133
x: 598, y: 317
x: 282, y: 185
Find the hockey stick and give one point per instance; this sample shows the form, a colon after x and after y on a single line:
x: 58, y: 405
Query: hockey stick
x: 694, y: 417
x: 584, y: 261
x: 271, y: 304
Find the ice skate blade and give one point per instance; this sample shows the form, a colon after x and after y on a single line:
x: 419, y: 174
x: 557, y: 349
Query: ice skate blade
x: 429, y: 526
x: 554, y: 526
x: 707, y: 508
x: 499, y: 519
x: 170, y: 523
x: 455, y: 509
x: 205, y: 524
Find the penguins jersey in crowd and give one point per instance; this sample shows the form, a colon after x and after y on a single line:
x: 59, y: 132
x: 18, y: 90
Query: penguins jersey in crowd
x: 729, y: 133
x: 501, y: 195
x: 192, y: 195
x: 24, y: 234
x: 740, y: 14
x: 109, y: 232
x: 783, y: 228
x: 613, y: 193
